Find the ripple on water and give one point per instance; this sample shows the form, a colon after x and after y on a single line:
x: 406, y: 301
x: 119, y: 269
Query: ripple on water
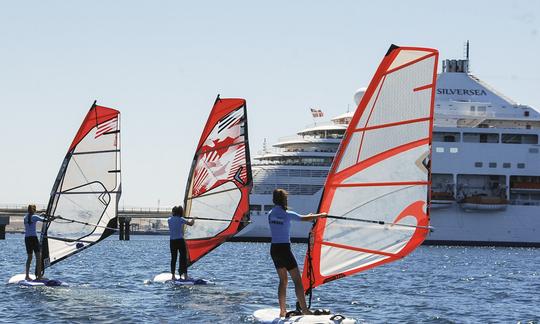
x: 433, y: 285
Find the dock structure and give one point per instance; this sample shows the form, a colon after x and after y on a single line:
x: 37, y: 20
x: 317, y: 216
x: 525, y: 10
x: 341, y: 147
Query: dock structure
x: 125, y: 218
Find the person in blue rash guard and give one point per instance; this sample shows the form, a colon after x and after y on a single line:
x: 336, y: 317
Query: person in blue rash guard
x: 177, y: 242
x: 31, y: 241
x: 279, y: 220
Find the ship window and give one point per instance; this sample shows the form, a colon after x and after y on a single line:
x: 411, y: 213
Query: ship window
x: 520, y: 138
x: 521, y: 165
x: 255, y: 207
x: 268, y: 207
x: 480, y: 138
x: 446, y: 137
x: 492, y: 164
x: 439, y: 149
x: 473, y: 108
x: 533, y: 150
x: 526, y: 113
x: 506, y: 165
x: 482, y: 108
x: 478, y: 164
x: 453, y: 150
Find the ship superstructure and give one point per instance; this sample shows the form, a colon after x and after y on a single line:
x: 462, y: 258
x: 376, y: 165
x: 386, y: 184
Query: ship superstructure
x: 486, y: 166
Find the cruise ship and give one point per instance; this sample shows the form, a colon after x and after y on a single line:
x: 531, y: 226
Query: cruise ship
x: 485, y: 167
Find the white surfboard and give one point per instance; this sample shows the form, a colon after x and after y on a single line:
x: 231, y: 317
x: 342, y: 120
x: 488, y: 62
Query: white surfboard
x: 271, y: 316
x: 166, y: 277
x: 19, y: 279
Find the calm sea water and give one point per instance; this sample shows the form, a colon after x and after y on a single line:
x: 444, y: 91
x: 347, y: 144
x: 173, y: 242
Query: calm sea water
x: 432, y: 285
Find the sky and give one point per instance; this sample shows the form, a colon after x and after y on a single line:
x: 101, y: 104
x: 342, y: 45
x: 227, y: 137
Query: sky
x: 162, y: 63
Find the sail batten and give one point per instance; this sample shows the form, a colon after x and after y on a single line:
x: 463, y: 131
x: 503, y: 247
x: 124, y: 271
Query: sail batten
x: 84, y: 197
x: 377, y: 189
x: 217, y: 192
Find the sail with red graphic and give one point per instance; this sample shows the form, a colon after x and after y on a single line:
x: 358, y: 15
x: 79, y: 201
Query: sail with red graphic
x: 217, y: 193
x: 377, y: 191
x: 85, y: 195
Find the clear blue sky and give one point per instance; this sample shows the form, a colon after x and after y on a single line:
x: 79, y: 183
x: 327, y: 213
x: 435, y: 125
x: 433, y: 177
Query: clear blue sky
x: 161, y: 63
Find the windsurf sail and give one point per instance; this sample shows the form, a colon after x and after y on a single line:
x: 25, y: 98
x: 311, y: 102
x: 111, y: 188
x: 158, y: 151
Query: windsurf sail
x: 217, y: 192
x: 84, y: 197
x: 377, y: 191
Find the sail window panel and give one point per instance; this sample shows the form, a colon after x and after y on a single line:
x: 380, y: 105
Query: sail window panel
x: 350, y: 154
x: 338, y: 260
x: 97, y: 140
x: 95, y: 209
x: 363, y: 120
x: 396, y: 103
x: 379, y: 140
x: 93, y: 170
x: 393, y: 169
x: 218, y: 203
x: 372, y: 203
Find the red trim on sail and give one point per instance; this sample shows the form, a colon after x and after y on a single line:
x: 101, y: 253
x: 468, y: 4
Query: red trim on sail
x: 312, y: 276
x: 96, y: 115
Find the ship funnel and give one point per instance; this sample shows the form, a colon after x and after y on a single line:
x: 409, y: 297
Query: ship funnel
x: 358, y: 96
x: 456, y: 66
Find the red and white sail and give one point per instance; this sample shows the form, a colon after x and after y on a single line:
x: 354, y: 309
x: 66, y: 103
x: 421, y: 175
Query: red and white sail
x: 85, y: 194
x: 217, y: 193
x: 376, y: 194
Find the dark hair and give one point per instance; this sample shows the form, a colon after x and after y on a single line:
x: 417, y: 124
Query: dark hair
x: 279, y: 197
x: 31, y: 210
x: 178, y: 211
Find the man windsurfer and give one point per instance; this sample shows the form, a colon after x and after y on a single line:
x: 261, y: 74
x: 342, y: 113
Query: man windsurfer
x: 177, y: 242
x: 279, y: 219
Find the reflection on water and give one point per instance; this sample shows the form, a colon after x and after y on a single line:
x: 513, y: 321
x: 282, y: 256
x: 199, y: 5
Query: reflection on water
x: 433, y: 285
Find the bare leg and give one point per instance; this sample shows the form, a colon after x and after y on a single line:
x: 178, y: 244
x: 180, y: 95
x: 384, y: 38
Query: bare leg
x: 299, y: 290
x: 38, y: 273
x: 282, y: 291
x: 28, y: 263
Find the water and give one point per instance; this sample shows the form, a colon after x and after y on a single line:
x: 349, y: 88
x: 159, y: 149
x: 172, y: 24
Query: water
x: 432, y: 285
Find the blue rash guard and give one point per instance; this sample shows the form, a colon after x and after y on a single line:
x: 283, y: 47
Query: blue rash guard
x: 280, y: 224
x: 176, y: 228
x: 30, y: 229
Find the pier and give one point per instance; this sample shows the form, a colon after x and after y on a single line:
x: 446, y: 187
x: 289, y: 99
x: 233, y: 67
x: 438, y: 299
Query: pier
x: 129, y: 219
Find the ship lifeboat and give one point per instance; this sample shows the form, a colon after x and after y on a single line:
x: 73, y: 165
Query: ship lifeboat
x: 440, y: 200
x: 483, y: 203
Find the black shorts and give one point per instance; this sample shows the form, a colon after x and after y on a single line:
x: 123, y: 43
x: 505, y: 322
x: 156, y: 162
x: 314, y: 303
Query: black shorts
x: 32, y: 244
x: 282, y: 256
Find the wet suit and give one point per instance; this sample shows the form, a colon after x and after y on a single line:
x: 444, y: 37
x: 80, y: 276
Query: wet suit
x: 177, y: 243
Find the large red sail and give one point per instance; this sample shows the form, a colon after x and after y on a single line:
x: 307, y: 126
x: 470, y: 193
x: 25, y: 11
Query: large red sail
x: 217, y: 193
x: 376, y: 193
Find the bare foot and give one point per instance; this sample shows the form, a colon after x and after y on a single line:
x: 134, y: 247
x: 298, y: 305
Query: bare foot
x: 27, y: 278
x: 282, y: 313
x: 173, y: 278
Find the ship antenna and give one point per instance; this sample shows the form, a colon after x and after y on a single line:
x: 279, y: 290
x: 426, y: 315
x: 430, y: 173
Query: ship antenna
x: 467, y: 50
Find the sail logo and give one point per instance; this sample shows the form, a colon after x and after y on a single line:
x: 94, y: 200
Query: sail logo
x: 462, y: 92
